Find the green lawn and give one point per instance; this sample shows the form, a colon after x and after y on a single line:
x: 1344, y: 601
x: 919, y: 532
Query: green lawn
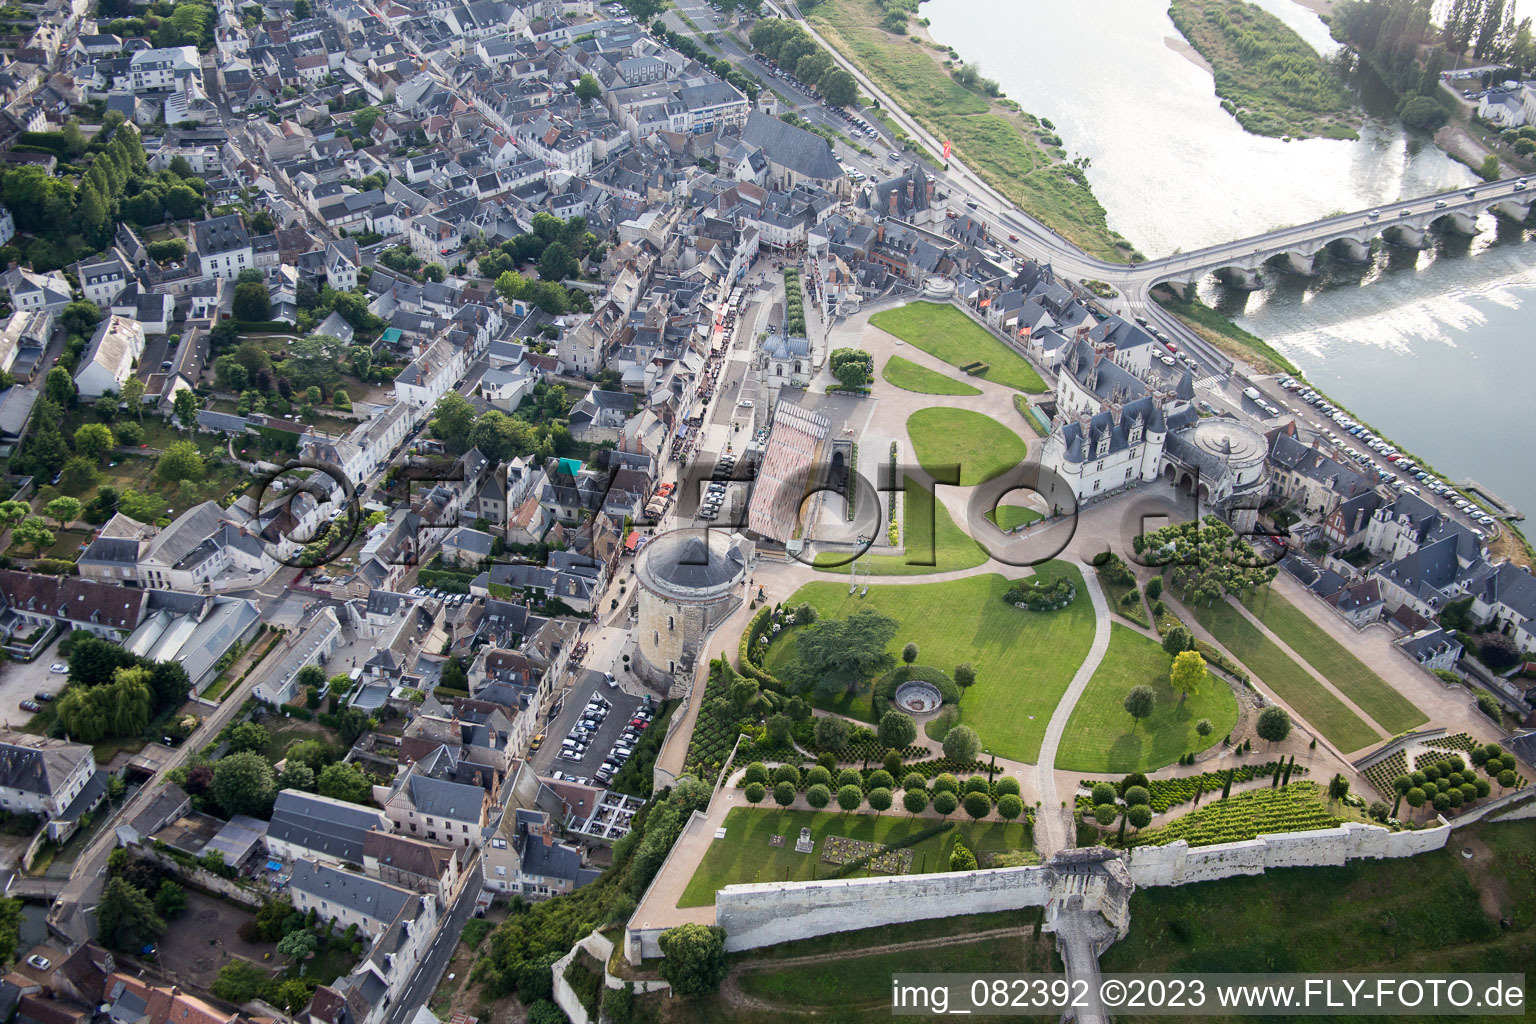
x: 744, y: 854
x: 1406, y: 916
x: 1008, y: 517
x: 933, y: 541
x: 1099, y: 738
x: 839, y: 982
x: 982, y: 447
x: 943, y: 331
x: 1024, y: 660
x: 1390, y: 709
x: 1306, y: 696
x: 909, y: 376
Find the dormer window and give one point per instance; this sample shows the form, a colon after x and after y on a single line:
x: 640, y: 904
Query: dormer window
x: 1103, y: 448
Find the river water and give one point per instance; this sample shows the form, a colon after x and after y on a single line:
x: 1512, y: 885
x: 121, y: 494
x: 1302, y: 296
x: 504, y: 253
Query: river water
x: 1424, y: 346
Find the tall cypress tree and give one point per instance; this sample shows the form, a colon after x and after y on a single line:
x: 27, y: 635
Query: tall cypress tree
x: 1226, y: 789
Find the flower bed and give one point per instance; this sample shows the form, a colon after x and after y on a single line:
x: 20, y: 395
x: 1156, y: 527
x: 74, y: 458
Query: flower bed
x: 1295, y: 808
x: 1042, y: 595
x: 840, y: 850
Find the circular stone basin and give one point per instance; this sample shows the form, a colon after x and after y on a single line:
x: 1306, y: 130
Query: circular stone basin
x: 917, y: 697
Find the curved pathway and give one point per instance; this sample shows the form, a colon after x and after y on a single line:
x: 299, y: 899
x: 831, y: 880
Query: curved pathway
x: 1051, y: 822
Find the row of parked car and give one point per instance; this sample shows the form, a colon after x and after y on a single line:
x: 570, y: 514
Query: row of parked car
x: 624, y: 747
x: 449, y: 599
x: 1402, y: 467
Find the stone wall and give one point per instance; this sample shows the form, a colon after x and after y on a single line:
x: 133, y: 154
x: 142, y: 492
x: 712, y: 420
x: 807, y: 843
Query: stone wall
x: 764, y: 914
x: 1178, y: 864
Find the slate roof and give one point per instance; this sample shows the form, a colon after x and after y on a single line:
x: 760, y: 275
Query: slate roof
x: 324, y: 825
x: 35, y: 765
x: 444, y: 799
x: 807, y: 154
x: 359, y: 893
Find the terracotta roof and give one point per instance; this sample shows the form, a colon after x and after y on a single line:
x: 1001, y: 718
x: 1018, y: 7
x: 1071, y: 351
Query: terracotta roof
x: 167, y: 1005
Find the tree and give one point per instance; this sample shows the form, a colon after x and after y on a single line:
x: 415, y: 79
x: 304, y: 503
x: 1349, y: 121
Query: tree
x: 961, y: 858
x: 1204, y: 727
x: 694, y: 958
x: 364, y: 117
x: 10, y: 929
x: 915, y: 801
x: 849, y: 798
x: 1102, y: 793
x: 63, y: 510
x: 558, y: 263
x: 1105, y: 814
x: 180, y: 461
x: 298, y: 944
x: 297, y: 775
x: 133, y: 396
x: 944, y: 803
x: 838, y: 87
x: 818, y: 796
x: 965, y: 677
x: 252, y: 303
x: 1498, y: 651
x: 1009, y: 806
x: 1178, y: 640
x: 779, y: 727
x: 34, y: 533
x: 1274, y: 724
x: 1139, y: 703
x: 60, y: 387
x: 1187, y: 673
x: 1139, y: 815
x: 126, y: 918
x: 1489, y: 170
x: 248, y: 736
x: 1209, y: 559
x: 80, y: 317
x: 977, y: 805
x: 1338, y: 787
x: 452, y: 420
x: 830, y: 733
x: 13, y: 512
x: 94, y: 441
x: 588, y: 88
x: 743, y: 694
x: 909, y: 653
x: 243, y: 784
x: 962, y: 744
x: 170, y: 900
x: 843, y: 655
x: 896, y: 729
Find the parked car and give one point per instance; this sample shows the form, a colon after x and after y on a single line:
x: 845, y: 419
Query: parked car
x: 58, y: 668
x: 30, y: 705
x: 43, y: 697
x: 42, y: 963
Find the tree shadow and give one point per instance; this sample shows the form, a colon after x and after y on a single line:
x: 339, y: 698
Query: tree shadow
x: 1126, y: 750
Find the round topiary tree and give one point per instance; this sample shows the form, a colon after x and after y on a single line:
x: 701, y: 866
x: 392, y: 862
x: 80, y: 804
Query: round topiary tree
x: 850, y: 797
x: 816, y: 775
x: 1507, y: 778
x: 1103, y: 793
x: 977, y: 805
x: 881, y: 779
x: 1139, y: 703
x: 896, y: 730
x: 914, y: 781
x: 1378, y: 810
x: 1468, y: 792
x: 1415, y: 797
x: 946, y: 783
x: 818, y: 796
x: 1430, y: 789
x: 1138, y: 795
x: 945, y: 802
x: 892, y: 763
x: 915, y: 801
x: 1481, y: 787
x: 909, y: 653
x: 1453, y: 796
x: 962, y: 744
x: 1419, y: 778
x: 1105, y: 814
x: 849, y: 777
x: 1402, y: 784
x: 1006, y: 785
x: 976, y: 784
x: 756, y: 772
x: 879, y: 799
x: 787, y: 773
x: 1009, y: 806
x: 1133, y: 779
x: 755, y: 792
x: 784, y: 794
x: 1139, y: 815
x: 1442, y: 801
x: 1274, y: 724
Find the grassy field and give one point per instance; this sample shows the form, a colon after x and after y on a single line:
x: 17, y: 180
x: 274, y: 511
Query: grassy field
x: 1436, y: 912
x: 943, y: 331
x: 1388, y: 708
x: 1016, y: 157
x: 744, y: 854
x: 1006, y: 517
x: 1268, y: 77
x: 909, y: 376
x: 1024, y: 660
x: 982, y: 447
x: 1099, y: 737
x: 1307, y: 697
x: 933, y: 542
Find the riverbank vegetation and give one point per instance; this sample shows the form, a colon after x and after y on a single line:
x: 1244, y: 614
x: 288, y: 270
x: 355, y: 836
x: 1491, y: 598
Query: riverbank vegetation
x: 1224, y: 334
x: 1016, y: 153
x: 1267, y: 76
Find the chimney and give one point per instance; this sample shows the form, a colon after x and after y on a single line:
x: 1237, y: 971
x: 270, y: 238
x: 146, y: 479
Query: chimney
x: 894, y: 197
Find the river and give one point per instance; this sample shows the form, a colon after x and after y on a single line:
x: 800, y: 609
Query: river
x: 1420, y: 346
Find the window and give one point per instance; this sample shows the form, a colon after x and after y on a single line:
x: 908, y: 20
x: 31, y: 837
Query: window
x: 655, y: 638
x: 1095, y: 485
x: 501, y: 872
x: 500, y: 844
x: 671, y: 624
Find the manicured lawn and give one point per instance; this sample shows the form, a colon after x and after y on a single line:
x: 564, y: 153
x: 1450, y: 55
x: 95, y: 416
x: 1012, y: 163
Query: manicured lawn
x: 1375, y: 696
x: 942, y: 330
x: 852, y: 981
x: 1099, y: 737
x: 1306, y: 696
x: 982, y: 447
x: 1023, y: 660
x: 744, y: 854
x: 1008, y: 517
x: 932, y: 541
x: 909, y: 376
x: 1418, y: 914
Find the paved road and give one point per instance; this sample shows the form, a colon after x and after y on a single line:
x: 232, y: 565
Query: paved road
x: 424, y: 982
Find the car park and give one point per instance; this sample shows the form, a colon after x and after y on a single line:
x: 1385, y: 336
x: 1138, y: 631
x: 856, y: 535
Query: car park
x: 1486, y: 520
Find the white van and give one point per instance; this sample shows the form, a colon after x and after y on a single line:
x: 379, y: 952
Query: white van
x: 1251, y: 393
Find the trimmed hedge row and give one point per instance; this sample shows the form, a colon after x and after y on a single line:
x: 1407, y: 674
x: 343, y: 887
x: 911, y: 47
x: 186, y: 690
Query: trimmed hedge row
x: 749, y: 651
